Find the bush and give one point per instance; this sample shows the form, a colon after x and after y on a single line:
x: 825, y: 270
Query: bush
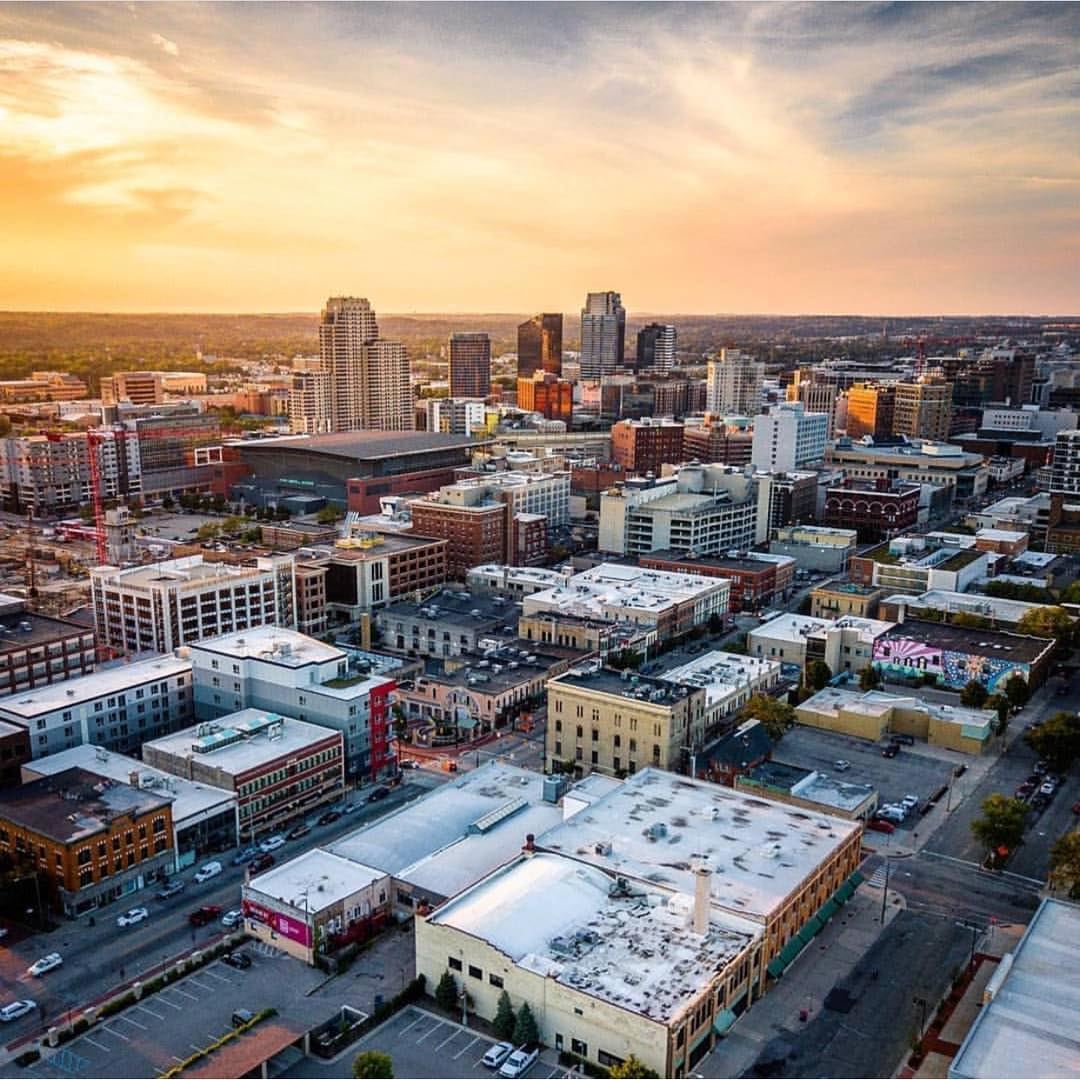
x: 372, y: 1063
x: 504, y: 1021
x: 446, y: 993
x: 28, y: 1058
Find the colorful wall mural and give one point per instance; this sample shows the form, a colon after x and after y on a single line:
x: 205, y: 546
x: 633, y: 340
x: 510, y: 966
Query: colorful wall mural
x: 904, y: 658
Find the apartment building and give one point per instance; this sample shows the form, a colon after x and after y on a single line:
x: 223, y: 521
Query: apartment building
x: 160, y: 607
x: 756, y: 583
x: 923, y: 409
x: 788, y: 437
x: 734, y: 384
x: 643, y: 446
x: 38, y: 649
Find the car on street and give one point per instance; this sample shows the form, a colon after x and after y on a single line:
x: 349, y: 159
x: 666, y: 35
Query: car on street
x: 520, y: 1061
x: 841, y: 766
x: 909, y: 802
x: 272, y: 843
x: 46, y: 963
x: 130, y: 918
x: 14, y: 1009
x: 207, y: 871
x: 349, y: 807
x: 170, y: 888
x: 1025, y: 790
x: 411, y: 763
x: 895, y: 814
x: 329, y: 817
x: 245, y: 856
x: 379, y: 793
x: 497, y: 1054
x: 297, y: 831
x: 1048, y: 789
x: 232, y: 918
x: 261, y: 863
x: 880, y: 825
x: 891, y: 750
x: 205, y: 915
x: 240, y: 961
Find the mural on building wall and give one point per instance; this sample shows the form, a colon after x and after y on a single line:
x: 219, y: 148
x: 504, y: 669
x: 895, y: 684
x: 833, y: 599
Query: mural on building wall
x: 905, y: 659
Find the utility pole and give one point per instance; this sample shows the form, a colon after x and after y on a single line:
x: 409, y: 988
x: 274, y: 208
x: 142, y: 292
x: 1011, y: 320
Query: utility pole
x: 885, y: 891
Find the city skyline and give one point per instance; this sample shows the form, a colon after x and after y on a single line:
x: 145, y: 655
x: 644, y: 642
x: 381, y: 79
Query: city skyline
x: 878, y: 159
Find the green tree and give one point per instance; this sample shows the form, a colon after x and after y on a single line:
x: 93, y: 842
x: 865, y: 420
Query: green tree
x: 208, y: 531
x: 373, y: 1064
x: 974, y: 694
x: 525, y: 1029
x: 632, y: 1069
x: 329, y: 515
x: 1000, y: 704
x: 505, y: 1021
x: 974, y: 622
x: 1057, y: 740
x: 1001, y: 824
x: 817, y: 674
x: 446, y: 993
x: 218, y: 503
x: 869, y: 678
x: 775, y: 715
x: 1065, y: 864
x: 1048, y: 622
x: 1017, y: 691
x: 233, y: 524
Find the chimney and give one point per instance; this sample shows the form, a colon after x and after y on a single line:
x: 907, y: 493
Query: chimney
x: 133, y: 778
x: 530, y: 844
x: 702, y: 893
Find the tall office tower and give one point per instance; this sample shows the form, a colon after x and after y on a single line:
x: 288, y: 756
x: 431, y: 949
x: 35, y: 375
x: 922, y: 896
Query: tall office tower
x: 603, y: 334
x: 923, y: 409
x: 309, y: 399
x: 1065, y: 471
x: 734, y: 384
x: 656, y: 347
x: 539, y: 345
x: 368, y: 378
x: 470, y: 365
x: 870, y: 410
x: 817, y: 396
x: 788, y: 437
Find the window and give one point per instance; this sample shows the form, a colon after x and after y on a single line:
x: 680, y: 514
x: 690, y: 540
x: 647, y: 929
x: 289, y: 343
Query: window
x: 496, y: 981
x: 558, y: 725
x: 578, y: 1047
x: 475, y: 972
x: 454, y: 963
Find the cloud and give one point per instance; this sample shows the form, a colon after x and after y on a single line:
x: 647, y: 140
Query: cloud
x: 165, y: 45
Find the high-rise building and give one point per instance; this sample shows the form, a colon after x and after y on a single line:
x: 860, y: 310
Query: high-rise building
x: 454, y: 415
x: 734, y: 384
x: 470, y: 365
x: 788, y: 437
x: 1065, y: 471
x: 603, y: 334
x: 546, y: 394
x: 656, y: 347
x: 642, y: 446
x: 923, y: 409
x: 816, y: 395
x: 870, y: 410
x: 539, y: 345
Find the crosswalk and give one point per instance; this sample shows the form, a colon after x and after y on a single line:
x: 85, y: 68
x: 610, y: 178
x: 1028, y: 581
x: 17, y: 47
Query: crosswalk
x: 877, y: 878
x: 263, y: 948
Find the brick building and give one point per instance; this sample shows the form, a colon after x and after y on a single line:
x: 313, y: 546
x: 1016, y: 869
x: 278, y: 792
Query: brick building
x: 546, y: 394
x: 642, y: 446
x: 876, y: 511
x: 753, y: 581
x: 14, y: 752
x: 715, y: 441
x: 37, y: 649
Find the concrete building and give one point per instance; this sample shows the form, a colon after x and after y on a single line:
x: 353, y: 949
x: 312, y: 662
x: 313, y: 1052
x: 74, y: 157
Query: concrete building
x: 729, y: 681
x: 204, y: 818
x: 456, y: 415
x: 835, y: 598
x: 643, y: 446
x: 137, y: 387
x: 470, y: 365
x: 1065, y: 473
x: 277, y: 767
x: 785, y: 498
x: 116, y: 708
x: 788, y: 437
x: 656, y: 347
x: 816, y: 547
x: 845, y: 644
x: 875, y: 714
x: 603, y: 334
x: 36, y: 650
x: 876, y: 511
x: 816, y: 395
x: 917, y: 564
x: 160, y: 607
x: 923, y: 409
x: 94, y: 840
x: 734, y: 384
x: 285, y: 672
x: 811, y: 790
x: 539, y: 346
x: 870, y: 411
x: 756, y: 583
x: 942, y: 465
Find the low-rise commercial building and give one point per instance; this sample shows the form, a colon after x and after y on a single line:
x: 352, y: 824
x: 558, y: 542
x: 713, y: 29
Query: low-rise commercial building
x: 449, y: 623
x: 876, y: 510
x: 1010, y: 542
x: 514, y: 581
x: 810, y: 789
x: 835, y: 598
x: 38, y: 649
x: 756, y: 582
x: 92, y: 839
x: 917, y: 564
x: 729, y: 681
x: 815, y: 547
x: 589, y: 635
x: 277, y: 767
x: 940, y: 605
x: 845, y: 644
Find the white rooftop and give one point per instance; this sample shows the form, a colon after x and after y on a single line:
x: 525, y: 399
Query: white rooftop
x: 494, y: 572
x: 1038, y: 559
x: 877, y: 702
x: 658, y: 823
x: 243, y: 740
x: 1001, y: 536
x: 997, y: 607
x: 191, y: 570
x: 288, y: 648
x: 103, y: 682
x: 833, y: 791
x: 190, y: 798
x: 1030, y: 1027
x: 721, y: 674
x: 314, y: 880
x: 563, y: 920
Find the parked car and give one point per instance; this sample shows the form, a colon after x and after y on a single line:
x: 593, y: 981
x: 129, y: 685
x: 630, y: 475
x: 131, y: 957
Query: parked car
x: 895, y: 814
x: 349, y: 807
x: 46, y: 963
x: 910, y: 802
x: 1024, y: 790
x: 880, y: 825
x: 959, y: 770
x: 497, y: 1055
x: 207, y: 871
x: 520, y: 1061
x: 245, y: 856
x: 412, y: 763
x: 297, y: 831
x: 261, y: 863
x: 242, y: 1016
x: 232, y: 918
x: 379, y: 793
x: 130, y: 918
x: 272, y: 843
x: 1041, y: 767
x: 841, y: 766
x: 904, y: 740
x: 891, y: 750
x: 206, y: 914
x: 239, y: 960
x: 329, y: 817
x: 170, y: 888
x: 1048, y: 789
x: 14, y: 1009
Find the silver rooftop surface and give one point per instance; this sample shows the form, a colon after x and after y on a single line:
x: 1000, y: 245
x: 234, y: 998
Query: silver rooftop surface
x: 314, y: 880
x: 288, y: 648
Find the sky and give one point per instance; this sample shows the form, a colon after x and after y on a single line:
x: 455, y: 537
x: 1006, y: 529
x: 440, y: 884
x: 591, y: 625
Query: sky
x: 738, y: 158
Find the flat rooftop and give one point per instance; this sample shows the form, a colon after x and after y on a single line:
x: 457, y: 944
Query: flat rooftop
x: 625, y: 684
x: 952, y: 638
x: 537, y: 575
x: 721, y: 673
x: 190, y: 570
x: 23, y: 629
x: 846, y: 588
x: 1001, y: 536
x: 1029, y: 1029
x: 718, y: 562
x: 996, y: 607
x: 362, y: 445
x: 103, y: 682
x: 879, y: 703
x: 191, y: 800
x: 318, y: 877
x: 242, y: 740
x: 634, y: 948
x: 286, y: 648
x: 75, y: 804
x: 360, y: 549
x: 657, y: 824
x: 830, y: 792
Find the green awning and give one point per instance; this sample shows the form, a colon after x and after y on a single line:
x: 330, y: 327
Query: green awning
x: 776, y: 967
x: 856, y: 879
x: 466, y: 722
x: 807, y: 933
x: 827, y: 910
x: 723, y: 1022
x: 844, y: 893
x: 785, y: 956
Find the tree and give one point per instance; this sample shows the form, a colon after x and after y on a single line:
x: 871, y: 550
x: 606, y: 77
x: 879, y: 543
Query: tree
x: 1057, y: 740
x: 817, y: 674
x: 1017, y: 691
x: 1065, y: 864
x: 870, y: 678
x: 446, y: 993
x: 775, y: 715
x: 525, y: 1029
x: 208, y: 531
x: 632, y: 1069
x: 1000, y: 704
x: 974, y: 694
x: 505, y: 1021
x: 1047, y: 622
x: 329, y: 515
x: 373, y: 1064
x: 1001, y: 824
x: 233, y: 524
x: 167, y: 502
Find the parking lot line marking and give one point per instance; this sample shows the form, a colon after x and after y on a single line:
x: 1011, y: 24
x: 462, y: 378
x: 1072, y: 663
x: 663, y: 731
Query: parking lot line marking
x: 431, y: 1031
x: 100, y: 1046
x: 156, y: 1016
x: 127, y: 1019
x: 422, y: 1016
x: 216, y: 975
x: 172, y: 1004
x: 473, y: 1043
x: 202, y: 986
x: 452, y: 1035
x: 190, y: 997
x: 113, y: 1031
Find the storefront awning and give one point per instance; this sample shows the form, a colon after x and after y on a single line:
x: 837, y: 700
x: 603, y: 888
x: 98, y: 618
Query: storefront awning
x: 844, y: 893
x: 724, y: 1020
x: 827, y: 910
x: 784, y: 957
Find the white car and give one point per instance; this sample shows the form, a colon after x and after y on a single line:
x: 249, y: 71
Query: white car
x: 46, y: 963
x: 232, y: 918
x: 130, y: 918
x: 1048, y: 788
x: 520, y: 1061
x: 841, y: 766
x: 909, y: 802
x: 497, y: 1055
x: 272, y: 843
x: 211, y: 869
x: 15, y: 1009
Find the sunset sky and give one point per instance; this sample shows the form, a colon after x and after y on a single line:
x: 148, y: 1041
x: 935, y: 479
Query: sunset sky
x: 487, y: 157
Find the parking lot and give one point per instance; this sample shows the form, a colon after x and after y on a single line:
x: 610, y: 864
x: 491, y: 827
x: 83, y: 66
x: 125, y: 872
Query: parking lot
x: 913, y: 770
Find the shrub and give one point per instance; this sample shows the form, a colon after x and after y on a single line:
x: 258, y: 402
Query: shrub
x: 372, y: 1063
x: 446, y: 993
x: 504, y: 1022
x: 28, y: 1058
x: 525, y: 1029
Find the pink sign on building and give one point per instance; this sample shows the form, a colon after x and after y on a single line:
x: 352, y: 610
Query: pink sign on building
x: 285, y: 925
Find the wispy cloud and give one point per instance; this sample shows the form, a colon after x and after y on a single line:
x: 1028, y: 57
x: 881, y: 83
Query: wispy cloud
x: 165, y: 45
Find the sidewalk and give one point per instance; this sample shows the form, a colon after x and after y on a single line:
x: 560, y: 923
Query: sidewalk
x: 805, y: 984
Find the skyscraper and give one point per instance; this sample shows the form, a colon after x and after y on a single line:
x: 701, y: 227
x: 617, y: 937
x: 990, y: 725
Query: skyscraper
x: 539, y: 345
x: 361, y: 381
x: 870, y: 410
x: 734, y: 384
x: 923, y: 409
x: 470, y: 365
x: 656, y: 347
x: 603, y: 334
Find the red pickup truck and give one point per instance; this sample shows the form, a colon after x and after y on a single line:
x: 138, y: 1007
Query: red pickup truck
x: 206, y: 914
